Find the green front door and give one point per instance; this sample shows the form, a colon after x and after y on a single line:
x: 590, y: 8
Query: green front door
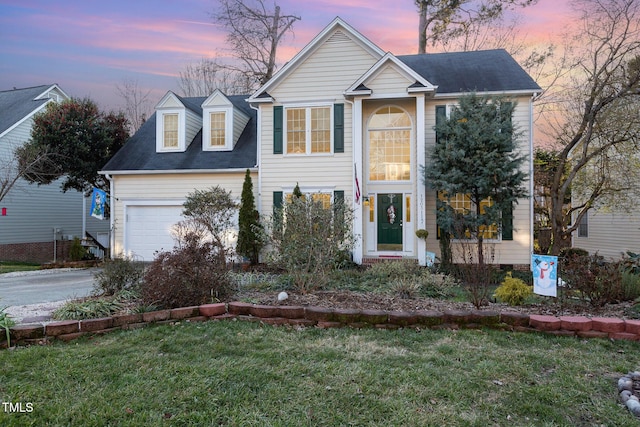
x: 389, y: 222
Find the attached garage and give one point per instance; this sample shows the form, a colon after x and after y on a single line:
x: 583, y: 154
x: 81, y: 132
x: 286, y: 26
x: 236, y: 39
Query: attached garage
x: 148, y: 229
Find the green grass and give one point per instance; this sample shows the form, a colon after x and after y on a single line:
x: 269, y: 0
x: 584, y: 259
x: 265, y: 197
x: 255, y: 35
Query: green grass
x: 246, y: 374
x: 11, y: 266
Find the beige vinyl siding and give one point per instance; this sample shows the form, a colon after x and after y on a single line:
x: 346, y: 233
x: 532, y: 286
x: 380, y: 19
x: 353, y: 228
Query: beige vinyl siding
x: 610, y: 234
x: 516, y: 251
x: 330, y: 70
x: 388, y: 80
x: 33, y: 211
x: 132, y: 189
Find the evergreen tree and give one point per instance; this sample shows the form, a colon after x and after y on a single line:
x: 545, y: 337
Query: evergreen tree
x: 250, y: 230
x: 476, y: 158
x: 296, y: 191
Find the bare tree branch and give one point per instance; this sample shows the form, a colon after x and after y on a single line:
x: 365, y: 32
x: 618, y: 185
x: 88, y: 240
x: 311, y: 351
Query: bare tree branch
x: 254, y: 34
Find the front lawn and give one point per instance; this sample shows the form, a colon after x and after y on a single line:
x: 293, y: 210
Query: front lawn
x: 11, y: 266
x: 236, y: 373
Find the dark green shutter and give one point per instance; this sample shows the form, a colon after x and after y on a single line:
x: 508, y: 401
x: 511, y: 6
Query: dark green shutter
x: 277, y: 200
x: 338, y: 128
x: 277, y: 130
x: 506, y: 110
x: 441, y: 116
x: 507, y: 223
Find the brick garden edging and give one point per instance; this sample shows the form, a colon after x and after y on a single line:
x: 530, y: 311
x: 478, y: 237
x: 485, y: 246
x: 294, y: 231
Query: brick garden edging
x: 321, y: 317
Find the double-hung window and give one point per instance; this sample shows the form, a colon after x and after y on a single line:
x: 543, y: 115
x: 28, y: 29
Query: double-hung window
x: 462, y: 205
x: 217, y: 123
x: 170, y: 130
x: 308, y: 130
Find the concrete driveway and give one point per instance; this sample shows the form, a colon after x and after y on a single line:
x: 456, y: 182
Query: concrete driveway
x: 41, y: 286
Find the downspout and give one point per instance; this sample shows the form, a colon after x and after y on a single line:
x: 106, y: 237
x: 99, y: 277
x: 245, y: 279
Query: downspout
x: 258, y: 143
x: 112, y: 233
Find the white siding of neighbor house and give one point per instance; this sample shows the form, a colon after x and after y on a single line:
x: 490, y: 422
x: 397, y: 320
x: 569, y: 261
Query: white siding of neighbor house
x: 518, y: 250
x: 610, y: 234
x: 34, y: 211
x: 172, y: 189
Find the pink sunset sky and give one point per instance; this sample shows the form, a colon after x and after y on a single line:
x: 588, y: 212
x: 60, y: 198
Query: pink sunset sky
x: 88, y: 47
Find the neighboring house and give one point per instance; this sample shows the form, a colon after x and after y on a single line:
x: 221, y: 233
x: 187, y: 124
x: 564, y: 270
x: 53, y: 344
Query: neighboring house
x: 608, y: 233
x: 37, y: 221
x: 342, y: 119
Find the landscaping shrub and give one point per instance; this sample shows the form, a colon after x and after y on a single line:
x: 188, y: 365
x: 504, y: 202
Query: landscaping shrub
x: 630, y: 286
x: 89, y: 309
x: 513, y: 291
x: 6, y: 322
x: 571, y: 252
x: 310, y: 240
x: 77, y: 252
x: 631, y: 262
x: 409, y: 279
x: 405, y: 288
x: 118, y: 274
x: 189, y: 275
x: 597, y: 282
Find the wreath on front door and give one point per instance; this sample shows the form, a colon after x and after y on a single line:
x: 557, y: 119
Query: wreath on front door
x: 391, y: 214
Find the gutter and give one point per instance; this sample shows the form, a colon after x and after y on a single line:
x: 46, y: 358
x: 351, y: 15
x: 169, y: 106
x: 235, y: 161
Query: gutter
x: 177, y: 171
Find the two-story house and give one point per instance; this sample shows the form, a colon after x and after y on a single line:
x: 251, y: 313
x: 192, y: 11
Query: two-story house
x: 342, y: 119
x: 37, y: 222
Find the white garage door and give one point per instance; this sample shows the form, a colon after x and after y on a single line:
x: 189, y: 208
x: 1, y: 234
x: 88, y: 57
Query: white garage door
x: 148, y: 230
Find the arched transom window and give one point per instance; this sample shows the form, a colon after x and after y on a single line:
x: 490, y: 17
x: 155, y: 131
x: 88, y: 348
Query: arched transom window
x: 390, y: 145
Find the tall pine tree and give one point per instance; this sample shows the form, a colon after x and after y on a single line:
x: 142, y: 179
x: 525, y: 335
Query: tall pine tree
x: 250, y: 240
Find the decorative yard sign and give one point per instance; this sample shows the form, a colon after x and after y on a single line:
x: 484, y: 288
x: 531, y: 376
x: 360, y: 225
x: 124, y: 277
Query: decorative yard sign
x: 431, y: 258
x: 545, y: 274
x: 98, y: 201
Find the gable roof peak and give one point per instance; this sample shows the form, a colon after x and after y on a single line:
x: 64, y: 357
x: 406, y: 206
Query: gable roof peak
x: 335, y: 25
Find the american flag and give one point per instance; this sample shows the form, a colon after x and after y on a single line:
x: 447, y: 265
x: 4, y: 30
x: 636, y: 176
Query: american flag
x: 355, y: 172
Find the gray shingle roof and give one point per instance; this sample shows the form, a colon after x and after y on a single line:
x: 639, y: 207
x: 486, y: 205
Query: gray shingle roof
x: 16, y: 104
x: 484, y: 70
x: 139, y: 153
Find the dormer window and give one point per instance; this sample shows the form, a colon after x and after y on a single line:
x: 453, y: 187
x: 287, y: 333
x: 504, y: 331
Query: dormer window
x: 176, y: 125
x: 218, y: 130
x: 223, y: 123
x: 170, y: 131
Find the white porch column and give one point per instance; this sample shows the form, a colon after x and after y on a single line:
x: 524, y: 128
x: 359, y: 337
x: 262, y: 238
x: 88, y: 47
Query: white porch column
x: 357, y: 142
x: 420, y: 187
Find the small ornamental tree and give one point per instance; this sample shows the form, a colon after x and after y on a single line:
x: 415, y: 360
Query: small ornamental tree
x: 209, y: 214
x: 250, y: 240
x: 476, y: 162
